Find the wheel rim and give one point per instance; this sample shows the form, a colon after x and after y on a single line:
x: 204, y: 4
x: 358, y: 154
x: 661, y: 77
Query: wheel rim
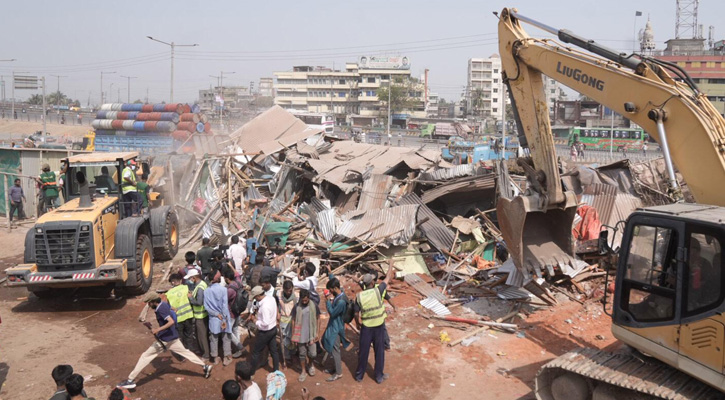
x: 146, y: 263
x: 173, y: 235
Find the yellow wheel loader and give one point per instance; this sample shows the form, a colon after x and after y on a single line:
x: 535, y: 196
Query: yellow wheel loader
x: 88, y: 241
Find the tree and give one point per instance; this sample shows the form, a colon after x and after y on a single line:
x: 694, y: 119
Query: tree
x: 401, y: 98
x: 137, y: 101
x: 35, y: 100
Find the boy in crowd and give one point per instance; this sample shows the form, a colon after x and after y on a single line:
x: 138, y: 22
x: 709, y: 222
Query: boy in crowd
x: 243, y: 374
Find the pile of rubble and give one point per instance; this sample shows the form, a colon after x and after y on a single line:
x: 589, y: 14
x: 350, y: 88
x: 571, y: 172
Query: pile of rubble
x: 350, y: 208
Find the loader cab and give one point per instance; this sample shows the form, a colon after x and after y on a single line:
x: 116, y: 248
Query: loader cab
x: 103, y: 171
x: 670, y: 294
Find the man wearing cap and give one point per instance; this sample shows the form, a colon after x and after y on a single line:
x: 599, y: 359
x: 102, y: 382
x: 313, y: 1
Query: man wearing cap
x: 129, y: 189
x: 167, y: 338
x: 201, y: 317
x: 49, y: 186
x: 265, y: 318
x: 370, y: 316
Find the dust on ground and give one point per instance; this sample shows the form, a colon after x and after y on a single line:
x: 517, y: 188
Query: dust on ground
x: 102, y: 339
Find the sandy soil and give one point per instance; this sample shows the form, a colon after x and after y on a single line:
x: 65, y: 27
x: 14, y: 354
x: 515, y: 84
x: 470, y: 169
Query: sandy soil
x: 102, y: 339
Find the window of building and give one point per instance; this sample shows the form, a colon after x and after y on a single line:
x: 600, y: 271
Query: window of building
x: 710, y: 64
x: 341, y: 94
x: 718, y: 81
x: 495, y: 110
x: 371, y: 80
x: 495, y: 99
x: 696, y: 64
x: 370, y: 93
x: 495, y: 90
x: 495, y: 80
x: 341, y: 82
x: 553, y: 91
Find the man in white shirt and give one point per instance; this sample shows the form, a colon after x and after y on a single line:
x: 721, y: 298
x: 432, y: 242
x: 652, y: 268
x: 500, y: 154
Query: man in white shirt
x: 306, y: 277
x: 243, y: 374
x: 266, y: 320
x: 237, y: 252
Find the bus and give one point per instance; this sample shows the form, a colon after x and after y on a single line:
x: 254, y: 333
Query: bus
x: 603, y: 138
x: 324, y: 122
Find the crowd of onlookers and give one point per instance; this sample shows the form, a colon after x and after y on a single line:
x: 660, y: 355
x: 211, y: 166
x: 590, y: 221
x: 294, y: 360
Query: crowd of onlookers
x: 222, y: 296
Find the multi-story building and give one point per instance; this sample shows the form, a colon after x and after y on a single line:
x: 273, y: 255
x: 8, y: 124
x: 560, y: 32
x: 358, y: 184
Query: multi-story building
x: 431, y: 109
x: 233, y: 97
x: 554, y: 92
x: 705, y: 67
x: 266, y: 87
x: 352, y: 93
x: 484, y: 87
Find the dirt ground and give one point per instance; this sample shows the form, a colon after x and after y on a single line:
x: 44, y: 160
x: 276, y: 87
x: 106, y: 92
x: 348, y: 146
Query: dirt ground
x: 103, y: 339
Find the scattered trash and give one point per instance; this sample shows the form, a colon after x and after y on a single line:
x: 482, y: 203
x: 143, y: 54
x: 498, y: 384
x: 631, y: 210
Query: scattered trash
x: 443, y: 336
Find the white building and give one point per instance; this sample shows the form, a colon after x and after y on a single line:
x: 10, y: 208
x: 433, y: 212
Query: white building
x: 349, y: 93
x: 554, y: 92
x: 484, y: 87
x: 431, y: 109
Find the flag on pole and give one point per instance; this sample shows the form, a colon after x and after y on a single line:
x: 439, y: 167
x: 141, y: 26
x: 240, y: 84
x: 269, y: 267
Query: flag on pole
x: 638, y: 13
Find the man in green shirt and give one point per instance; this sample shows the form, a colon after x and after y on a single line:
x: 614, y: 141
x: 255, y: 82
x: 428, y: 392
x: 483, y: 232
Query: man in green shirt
x: 203, y: 258
x: 143, y: 191
x: 49, y: 185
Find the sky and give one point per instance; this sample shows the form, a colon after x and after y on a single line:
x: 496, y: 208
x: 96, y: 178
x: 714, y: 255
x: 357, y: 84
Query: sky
x: 80, y: 39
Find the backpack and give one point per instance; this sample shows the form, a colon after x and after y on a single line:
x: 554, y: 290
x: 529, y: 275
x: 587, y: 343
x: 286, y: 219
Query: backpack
x: 314, y: 296
x: 349, y: 312
x: 256, y: 275
x: 240, y: 301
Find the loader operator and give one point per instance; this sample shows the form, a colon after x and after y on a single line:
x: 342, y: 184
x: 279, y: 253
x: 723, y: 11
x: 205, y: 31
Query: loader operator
x: 130, y: 190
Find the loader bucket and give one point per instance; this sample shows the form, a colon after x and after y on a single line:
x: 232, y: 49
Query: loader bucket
x: 535, y: 236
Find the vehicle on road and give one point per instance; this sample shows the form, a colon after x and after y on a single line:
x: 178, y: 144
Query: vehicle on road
x: 88, y: 241
x: 604, y: 138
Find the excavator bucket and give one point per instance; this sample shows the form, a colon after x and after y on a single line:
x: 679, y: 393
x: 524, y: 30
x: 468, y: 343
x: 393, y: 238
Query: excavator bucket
x: 537, y: 238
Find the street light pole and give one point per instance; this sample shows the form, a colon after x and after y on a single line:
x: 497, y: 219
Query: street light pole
x: 129, y: 85
x: 173, y: 47
x: 107, y: 73
x: 390, y: 89
x: 221, y: 95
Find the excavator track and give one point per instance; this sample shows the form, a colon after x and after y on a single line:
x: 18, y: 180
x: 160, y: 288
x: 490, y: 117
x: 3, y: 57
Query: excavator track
x: 596, y: 374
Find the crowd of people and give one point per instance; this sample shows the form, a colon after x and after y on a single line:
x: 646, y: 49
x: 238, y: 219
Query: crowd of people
x: 223, y: 296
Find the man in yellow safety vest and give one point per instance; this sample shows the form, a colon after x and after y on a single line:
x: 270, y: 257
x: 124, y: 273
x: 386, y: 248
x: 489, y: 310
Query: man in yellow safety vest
x: 201, y: 317
x: 129, y: 189
x: 370, y: 316
x: 178, y: 297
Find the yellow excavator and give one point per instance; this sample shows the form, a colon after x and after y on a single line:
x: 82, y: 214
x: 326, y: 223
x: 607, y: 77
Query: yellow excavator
x: 670, y: 290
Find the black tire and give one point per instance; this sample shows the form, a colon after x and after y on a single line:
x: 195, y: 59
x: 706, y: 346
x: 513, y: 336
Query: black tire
x: 45, y: 293
x: 171, y: 239
x: 144, y: 267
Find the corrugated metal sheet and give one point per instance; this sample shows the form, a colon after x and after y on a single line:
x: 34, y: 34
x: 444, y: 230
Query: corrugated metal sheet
x: 423, y: 288
x: 326, y: 223
x: 468, y: 184
x: 506, y: 292
x: 435, y: 306
x: 442, y: 174
x: 271, y: 131
x: 394, y: 225
x: 375, y: 192
x: 253, y: 193
x: 433, y: 229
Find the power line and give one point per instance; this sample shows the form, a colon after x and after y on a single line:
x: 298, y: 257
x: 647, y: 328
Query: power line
x: 346, y: 47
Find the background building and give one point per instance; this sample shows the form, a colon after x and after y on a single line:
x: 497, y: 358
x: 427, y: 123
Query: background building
x: 484, y: 87
x: 233, y: 96
x: 266, y: 87
x: 351, y: 95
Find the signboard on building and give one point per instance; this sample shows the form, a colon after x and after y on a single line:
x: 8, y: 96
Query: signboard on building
x: 383, y: 62
x: 25, y: 82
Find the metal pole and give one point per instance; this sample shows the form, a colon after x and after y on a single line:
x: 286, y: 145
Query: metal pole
x: 44, y: 105
x: 503, y: 120
x: 13, y: 93
x: 171, y: 97
x: 390, y: 89
x: 129, y: 86
x: 99, y: 106
x: 611, y: 135
x: 7, y: 199
x: 634, y: 34
x: 666, y: 152
x: 221, y: 96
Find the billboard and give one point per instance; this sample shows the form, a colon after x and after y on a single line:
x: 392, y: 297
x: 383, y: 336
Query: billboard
x: 25, y: 82
x: 383, y: 62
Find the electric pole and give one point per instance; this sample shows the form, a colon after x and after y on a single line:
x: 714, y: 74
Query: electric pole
x: 107, y: 73
x: 173, y: 47
x: 57, y: 100
x: 129, y: 86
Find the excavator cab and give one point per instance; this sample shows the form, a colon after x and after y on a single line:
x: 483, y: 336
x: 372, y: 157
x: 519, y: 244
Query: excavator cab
x: 670, y: 293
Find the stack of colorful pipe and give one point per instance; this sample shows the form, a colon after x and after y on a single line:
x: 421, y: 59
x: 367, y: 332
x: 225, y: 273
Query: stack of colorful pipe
x: 177, y: 120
